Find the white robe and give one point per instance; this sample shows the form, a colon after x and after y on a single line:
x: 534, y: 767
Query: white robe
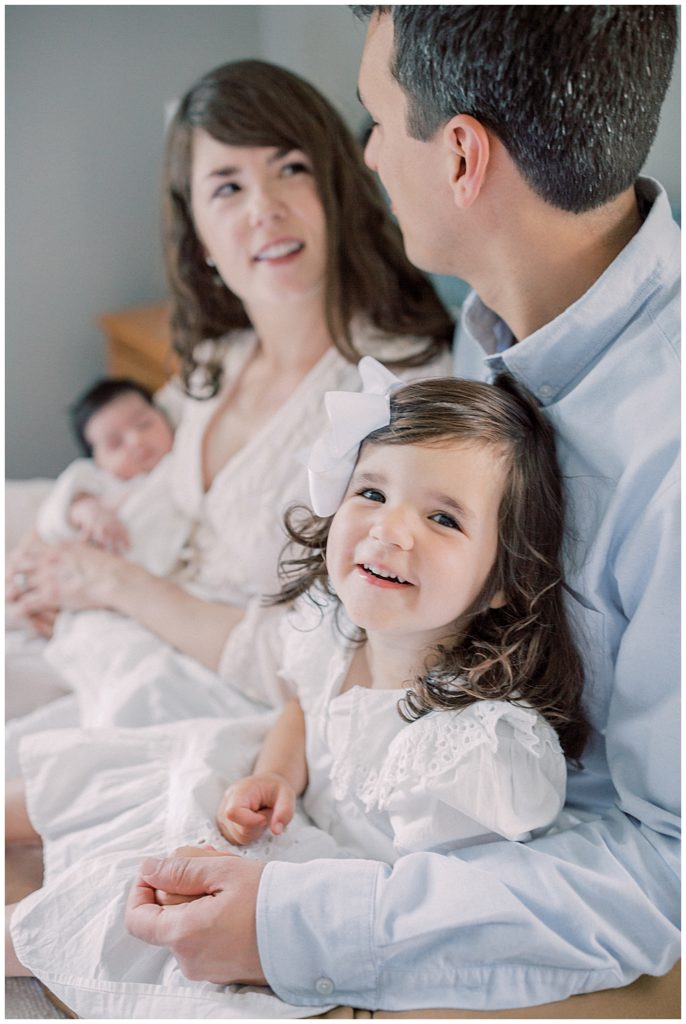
x: 378, y: 787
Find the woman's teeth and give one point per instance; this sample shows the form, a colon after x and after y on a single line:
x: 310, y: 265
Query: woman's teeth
x: 382, y: 573
x: 275, y: 252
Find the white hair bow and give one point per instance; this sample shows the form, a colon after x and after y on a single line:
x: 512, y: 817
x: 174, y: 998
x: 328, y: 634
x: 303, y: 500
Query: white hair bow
x: 352, y: 416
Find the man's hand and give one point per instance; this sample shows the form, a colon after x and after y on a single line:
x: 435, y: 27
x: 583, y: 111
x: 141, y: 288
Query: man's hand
x: 214, y: 937
x: 253, y: 803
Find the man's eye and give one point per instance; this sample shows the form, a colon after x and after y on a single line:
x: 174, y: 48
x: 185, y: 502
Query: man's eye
x: 371, y: 494
x: 443, y: 519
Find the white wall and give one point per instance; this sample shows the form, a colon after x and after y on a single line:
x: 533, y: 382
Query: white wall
x: 86, y: 88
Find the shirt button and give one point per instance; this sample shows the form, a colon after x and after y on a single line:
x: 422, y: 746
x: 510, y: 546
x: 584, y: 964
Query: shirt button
x: 545, y: 391
x: 324, y: 986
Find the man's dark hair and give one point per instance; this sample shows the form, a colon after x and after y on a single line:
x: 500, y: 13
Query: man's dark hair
x: 96, y: 398
x: 573, y: 92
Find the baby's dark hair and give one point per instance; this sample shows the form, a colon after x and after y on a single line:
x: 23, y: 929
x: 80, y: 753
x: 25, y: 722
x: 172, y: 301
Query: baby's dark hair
x: 96, y: 398
x: 522, y: 651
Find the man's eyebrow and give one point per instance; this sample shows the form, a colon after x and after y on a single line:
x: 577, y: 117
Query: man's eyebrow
x: 359, y: 97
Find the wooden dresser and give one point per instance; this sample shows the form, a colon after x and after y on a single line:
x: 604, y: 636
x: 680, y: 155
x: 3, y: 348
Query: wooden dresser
x: 138, y: 344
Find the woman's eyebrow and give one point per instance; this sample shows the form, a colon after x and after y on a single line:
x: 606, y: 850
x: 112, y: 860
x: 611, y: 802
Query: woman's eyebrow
x: 225, y: 172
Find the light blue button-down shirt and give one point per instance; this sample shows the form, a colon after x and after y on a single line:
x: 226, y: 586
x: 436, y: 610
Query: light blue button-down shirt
x: 595, y: 905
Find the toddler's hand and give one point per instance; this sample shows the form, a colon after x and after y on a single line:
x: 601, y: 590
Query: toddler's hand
x: 98, y: 524
x: 249, y: 806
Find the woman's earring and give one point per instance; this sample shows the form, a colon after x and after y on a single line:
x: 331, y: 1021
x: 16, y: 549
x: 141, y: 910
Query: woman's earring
x: 216, y: 276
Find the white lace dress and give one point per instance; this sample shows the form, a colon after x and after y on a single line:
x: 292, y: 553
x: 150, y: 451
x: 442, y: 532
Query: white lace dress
x: 122, y: 673
x: 379, y: 787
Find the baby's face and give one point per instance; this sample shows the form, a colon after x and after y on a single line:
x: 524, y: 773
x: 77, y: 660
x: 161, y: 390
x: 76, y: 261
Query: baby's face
x: 128, y: 436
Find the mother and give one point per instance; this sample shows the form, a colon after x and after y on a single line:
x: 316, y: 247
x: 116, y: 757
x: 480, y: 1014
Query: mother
x: 279, y: 246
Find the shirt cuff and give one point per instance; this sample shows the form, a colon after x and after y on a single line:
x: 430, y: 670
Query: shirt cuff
x: 318, y: 950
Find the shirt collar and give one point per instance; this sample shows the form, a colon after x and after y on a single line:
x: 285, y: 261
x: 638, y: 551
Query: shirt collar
x: 579, y: 334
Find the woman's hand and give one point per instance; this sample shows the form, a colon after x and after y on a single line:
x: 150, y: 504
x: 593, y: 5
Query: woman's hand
x: 72, y: 576
x: 249, y: 806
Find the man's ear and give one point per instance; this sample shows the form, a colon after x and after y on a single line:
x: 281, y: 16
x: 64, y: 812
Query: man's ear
x: 468, y: 147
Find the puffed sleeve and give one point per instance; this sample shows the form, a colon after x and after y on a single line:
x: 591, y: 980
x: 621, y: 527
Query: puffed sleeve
x: 252, y: 657
x: 489, y: 771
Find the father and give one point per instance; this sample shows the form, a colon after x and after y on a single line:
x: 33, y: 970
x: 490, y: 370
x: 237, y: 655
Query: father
x: 510, y: 139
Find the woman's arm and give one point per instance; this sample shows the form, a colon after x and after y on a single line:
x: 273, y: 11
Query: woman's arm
x: 75, y: 576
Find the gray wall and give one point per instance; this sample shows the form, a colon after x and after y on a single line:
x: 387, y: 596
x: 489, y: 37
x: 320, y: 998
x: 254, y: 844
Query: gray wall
x: 86, y: 90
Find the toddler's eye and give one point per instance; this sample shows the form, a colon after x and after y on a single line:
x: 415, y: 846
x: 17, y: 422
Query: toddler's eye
x: 371, y: 494
x: 443, y: 519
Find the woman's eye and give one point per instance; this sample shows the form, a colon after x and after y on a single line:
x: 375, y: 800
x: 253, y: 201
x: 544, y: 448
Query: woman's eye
x: 229, y: 188
x: 372, y: 495
x: 294, y: 167
x: 443, y: 519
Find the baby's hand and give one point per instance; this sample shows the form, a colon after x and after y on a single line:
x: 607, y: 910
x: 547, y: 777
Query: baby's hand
x: 249, y: 806
x: 98, y: 524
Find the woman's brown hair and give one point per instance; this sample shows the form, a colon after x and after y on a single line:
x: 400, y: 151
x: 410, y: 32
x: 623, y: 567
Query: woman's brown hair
x: 522, y: 652
x: 252, y: 103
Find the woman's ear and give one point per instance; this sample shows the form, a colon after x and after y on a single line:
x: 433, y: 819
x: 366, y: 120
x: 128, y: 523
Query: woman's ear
x: 469, y: 149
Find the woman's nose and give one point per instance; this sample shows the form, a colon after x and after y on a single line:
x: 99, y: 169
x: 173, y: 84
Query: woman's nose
x: 393, y: 528
x: 265, y: 205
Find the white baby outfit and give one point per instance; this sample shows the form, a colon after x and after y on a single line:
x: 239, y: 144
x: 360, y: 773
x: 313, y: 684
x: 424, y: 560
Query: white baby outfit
x: 157, y: 528
x: 378, y: 787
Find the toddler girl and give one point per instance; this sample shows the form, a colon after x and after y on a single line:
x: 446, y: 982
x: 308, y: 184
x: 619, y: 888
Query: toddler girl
x: 434, y: 692
x: 438, y: 726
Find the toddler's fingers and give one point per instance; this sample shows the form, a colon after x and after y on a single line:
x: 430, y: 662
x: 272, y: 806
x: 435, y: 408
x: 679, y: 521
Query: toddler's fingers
x: 241, y: 815
x: 282, y: 813
x: 237, y: 834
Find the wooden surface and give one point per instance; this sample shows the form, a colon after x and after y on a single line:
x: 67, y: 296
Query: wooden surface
x: 138, y: 344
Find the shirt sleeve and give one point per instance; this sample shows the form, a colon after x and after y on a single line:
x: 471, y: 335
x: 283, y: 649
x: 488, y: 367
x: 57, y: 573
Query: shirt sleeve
x: 515, y: 924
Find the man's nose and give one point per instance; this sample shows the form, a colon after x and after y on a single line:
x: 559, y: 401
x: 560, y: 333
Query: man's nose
x: 370, y: 151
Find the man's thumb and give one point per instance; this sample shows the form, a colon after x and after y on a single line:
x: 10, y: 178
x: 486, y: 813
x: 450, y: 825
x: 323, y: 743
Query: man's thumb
x: 187, y: 876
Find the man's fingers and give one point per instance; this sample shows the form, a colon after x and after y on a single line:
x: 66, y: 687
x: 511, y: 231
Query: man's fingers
x: 187, y: 876
x: 142, y: 917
